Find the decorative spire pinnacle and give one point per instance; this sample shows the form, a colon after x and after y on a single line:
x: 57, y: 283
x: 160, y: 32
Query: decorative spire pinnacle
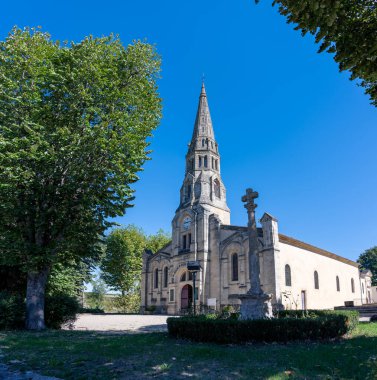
x: 203, y: 91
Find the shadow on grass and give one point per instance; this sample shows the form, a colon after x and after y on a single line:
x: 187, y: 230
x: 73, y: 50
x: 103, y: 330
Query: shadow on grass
x: 94, y: 355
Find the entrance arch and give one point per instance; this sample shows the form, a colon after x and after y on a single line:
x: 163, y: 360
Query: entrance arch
x: 186, y: 297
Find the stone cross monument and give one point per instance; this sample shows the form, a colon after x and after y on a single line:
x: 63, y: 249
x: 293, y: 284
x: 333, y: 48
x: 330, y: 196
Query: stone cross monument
x: 255, y: 304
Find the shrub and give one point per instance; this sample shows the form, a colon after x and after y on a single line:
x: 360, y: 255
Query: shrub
x: 91, y: 310
x: 151, y: 308
x: 322, y: 325
x: 12, y: 311
x: 60, y: 309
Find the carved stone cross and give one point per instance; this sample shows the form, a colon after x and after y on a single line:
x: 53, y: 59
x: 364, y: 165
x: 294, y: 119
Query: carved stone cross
x: 249, y: 197
x: 255, y: 304
x: 254, y: 271
x: 250, y: 206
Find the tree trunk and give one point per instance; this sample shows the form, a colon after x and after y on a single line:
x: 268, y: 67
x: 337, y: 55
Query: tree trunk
x: 35, y: 299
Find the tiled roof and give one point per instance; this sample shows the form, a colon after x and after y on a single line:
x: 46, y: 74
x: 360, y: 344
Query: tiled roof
x: 300, y: 244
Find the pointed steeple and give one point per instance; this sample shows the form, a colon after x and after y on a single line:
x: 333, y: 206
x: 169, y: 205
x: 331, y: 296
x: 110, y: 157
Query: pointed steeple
x: 202, y: 185
x: 203, y: 122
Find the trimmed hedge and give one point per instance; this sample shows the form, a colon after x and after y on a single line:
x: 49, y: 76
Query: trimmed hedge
x: 351, y: 315
x: 321, y: 325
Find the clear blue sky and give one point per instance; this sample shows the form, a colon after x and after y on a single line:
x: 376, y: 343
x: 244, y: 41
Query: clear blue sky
x: 287, y: 122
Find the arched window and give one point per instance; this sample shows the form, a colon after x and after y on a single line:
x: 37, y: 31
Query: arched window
x: 156, y: 278
x: 200, y: 161
x: 352, y: 285
x: 216, y: 188
x: 316, y: 281
x: 337, y: 284
x: 183, y: 277
x: 234, y: 267
x: 165, y: 277
x: 205, y: 161
x: 288, y: 280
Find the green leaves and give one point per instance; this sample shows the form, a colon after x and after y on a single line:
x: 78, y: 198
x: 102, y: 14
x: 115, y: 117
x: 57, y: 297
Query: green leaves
x: 122, y: 264
x: 347, y: 28
x: 368, y: 260
x: 73, y: 127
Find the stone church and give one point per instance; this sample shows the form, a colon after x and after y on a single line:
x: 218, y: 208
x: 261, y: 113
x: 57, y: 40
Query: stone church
x: 297, y: 275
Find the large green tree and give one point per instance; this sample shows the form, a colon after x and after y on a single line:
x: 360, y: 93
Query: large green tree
x: 347, y: 28
x: 368, y: 260
x: 74, y: 120
x: 122, y: 264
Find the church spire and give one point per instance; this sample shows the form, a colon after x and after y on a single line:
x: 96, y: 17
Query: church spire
x: 202, y: 185
x: 203, y: 123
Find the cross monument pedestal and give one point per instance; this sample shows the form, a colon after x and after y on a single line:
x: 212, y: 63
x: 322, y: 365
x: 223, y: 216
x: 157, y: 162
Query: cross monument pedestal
x: 255, y: 304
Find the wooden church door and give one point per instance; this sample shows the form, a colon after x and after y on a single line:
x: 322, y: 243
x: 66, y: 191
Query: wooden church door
x: 186, y: 297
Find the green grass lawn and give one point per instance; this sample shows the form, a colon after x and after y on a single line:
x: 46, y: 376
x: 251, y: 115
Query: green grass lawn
x: 86, y: 355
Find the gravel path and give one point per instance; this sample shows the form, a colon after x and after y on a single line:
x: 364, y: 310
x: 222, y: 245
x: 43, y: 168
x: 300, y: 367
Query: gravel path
x: 121, y: 323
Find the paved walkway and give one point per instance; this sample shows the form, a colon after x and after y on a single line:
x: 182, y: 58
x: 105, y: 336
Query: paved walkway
x: 121, y: 323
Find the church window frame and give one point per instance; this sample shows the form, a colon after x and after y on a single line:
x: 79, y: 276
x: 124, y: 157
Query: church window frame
x: 200, y: 161
x: 183, y: 277
x: 155, y: 279
x: 189, y: 276
x: 316, y: 280
x: 235, y: 267
x: 288, y: 275
x: 205, y: 161
x: 352, y: 285
x: 217, y: 188
x: 171, y: 295
x: 203, y: 142
x: 337, y: 284
x: 216, y: 165
x: 213, y: 163
x: 166, y: 277
x: 184, y: 242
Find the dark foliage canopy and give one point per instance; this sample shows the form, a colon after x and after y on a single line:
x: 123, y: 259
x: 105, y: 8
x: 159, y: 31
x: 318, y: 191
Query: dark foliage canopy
x: 346, y: 28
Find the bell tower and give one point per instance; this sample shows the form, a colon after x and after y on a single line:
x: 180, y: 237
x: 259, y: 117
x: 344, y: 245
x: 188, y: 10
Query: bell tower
x: 203, y: 192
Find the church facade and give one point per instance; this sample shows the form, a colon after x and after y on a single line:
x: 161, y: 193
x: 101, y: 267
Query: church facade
x: 296, y: 274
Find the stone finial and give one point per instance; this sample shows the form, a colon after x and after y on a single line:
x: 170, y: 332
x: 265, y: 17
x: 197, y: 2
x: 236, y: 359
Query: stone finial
x: 250, y: 205
x: 249, y: 198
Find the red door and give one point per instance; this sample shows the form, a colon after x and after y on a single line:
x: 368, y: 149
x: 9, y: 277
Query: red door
x: 186, y: 297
